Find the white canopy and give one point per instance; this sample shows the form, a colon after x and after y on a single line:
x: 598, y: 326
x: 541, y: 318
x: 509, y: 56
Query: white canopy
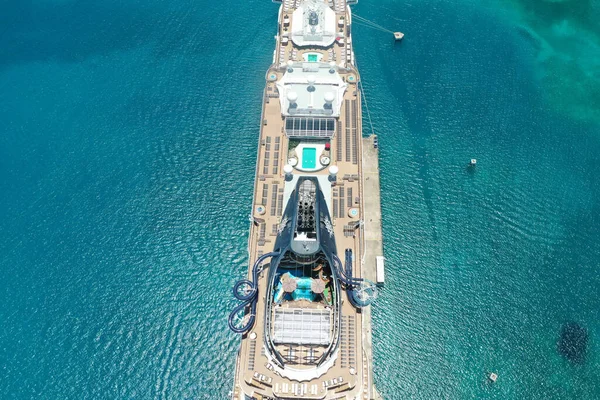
x: 313, y: 24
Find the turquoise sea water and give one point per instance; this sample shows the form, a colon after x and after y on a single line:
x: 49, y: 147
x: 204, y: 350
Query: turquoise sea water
x: 127, y: 151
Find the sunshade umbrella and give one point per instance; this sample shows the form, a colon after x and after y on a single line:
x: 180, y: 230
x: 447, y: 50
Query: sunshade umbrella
x: 317, y: 286
x: 289, y: 285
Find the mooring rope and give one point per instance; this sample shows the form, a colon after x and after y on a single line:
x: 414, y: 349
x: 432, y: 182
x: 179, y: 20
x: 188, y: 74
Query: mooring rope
x: 370, y: 24
x: 364, y: 96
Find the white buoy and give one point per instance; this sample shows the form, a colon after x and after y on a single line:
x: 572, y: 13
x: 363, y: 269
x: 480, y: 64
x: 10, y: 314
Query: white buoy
x: 287, y: 170
x: 333, y: 170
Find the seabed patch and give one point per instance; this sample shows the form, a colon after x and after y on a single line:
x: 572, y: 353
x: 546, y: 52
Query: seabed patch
x: 572, y: 343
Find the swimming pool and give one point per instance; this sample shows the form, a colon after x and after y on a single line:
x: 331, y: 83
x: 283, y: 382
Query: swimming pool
x: 313, y: 58
x: 309, y: 158
x: 302, y: 292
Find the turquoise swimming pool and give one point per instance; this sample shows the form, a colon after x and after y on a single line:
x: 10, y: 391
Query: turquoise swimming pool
x: 309, y: 158
x: 303, y: 291
x: 312, y: 58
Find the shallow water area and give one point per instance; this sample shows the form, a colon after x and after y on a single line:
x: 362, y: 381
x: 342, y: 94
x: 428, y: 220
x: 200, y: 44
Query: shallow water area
x: 566, y: 37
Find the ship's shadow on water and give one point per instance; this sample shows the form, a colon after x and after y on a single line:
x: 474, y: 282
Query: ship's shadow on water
x: 470, y: 169
x: 572, y: 342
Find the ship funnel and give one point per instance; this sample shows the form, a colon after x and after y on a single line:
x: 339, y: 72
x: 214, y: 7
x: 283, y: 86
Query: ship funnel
x: 311, y: 83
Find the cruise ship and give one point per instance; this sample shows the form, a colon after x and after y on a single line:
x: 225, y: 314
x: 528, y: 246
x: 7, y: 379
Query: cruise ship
x: 303, y: 312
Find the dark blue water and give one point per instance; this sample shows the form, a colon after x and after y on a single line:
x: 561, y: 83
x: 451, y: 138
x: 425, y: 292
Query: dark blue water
x: 127, y: 148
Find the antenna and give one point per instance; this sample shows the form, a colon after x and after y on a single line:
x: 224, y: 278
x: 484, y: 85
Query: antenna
x: 311, y: 83
x: 292, y: 97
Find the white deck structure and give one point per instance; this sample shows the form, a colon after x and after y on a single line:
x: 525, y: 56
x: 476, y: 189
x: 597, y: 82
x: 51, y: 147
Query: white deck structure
x: 380, y: 270
x: 311, y: 89
x: 313, y: 24
x: 302, y: 326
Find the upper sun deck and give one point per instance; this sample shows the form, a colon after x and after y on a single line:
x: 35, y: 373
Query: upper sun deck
x: 311, y: 89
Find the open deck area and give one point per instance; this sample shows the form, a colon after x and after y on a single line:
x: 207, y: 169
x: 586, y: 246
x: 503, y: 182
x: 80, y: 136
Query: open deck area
x: 309, y: 133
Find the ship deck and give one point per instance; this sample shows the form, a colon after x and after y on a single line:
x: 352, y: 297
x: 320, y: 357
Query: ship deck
x: 351, y: 375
